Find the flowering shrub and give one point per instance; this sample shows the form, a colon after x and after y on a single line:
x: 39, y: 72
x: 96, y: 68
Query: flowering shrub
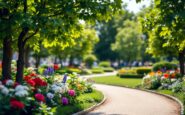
x: 164, y: 80
x: 40, y: 93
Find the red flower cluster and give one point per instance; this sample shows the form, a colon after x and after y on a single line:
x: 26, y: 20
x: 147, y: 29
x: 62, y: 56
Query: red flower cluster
x: 39, y: 82
x: 31, y: 82
x: 16, y: 104
x: 39, y: 97
x: 56, y: 66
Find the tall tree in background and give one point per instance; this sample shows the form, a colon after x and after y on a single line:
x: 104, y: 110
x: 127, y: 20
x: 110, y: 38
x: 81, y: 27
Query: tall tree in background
x: 107, y: 34
x: 128, y: 41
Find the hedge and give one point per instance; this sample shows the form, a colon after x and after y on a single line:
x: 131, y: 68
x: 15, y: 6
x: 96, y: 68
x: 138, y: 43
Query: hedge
x: 143, y: 70
x: 164, y: 65
x: 130, y: 76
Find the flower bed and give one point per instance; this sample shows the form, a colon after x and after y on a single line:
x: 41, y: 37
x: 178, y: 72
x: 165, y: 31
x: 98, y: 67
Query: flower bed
x: 41, y: 93
x: 163, y: 80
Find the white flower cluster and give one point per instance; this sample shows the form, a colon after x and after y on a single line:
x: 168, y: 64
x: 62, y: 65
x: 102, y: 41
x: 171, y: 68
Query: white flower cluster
x: 21, y: 91
x: 4, y: 90
x: 9, y: 82
x: 59, y: 88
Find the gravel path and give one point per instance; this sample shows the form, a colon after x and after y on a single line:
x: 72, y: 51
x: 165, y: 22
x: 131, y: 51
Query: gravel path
x: 125, y: 101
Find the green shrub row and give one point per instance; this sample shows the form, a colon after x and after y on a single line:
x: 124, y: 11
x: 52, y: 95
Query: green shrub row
x: 164, y: 65
x: 143, y: 70
x: 130, y: 76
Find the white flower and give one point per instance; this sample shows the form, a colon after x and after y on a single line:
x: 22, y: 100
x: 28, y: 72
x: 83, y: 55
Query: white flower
x: 9, y: 83
x: 21, y: 87
x: 21, y: 93
x: 1, y: 87
x: 50, y: 95
x: 4, y: 91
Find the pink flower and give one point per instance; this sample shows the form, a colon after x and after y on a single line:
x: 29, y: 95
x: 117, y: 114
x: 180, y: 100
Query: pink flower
x: 71, y: 92
x: 39, y: 97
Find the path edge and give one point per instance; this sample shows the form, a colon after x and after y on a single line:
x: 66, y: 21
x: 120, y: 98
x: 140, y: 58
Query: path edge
x: 169, y: 97
x: 83, y: 112
x: 157, y: 93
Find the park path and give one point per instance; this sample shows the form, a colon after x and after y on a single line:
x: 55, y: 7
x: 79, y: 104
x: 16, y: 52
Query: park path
x: 125, y: 101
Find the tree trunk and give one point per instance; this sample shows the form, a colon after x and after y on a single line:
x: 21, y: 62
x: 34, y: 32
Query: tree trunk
x: 7, y: 57
x: 20, y: 61
x: 26, y: 57
x: 181, y: 62
x: 71, y: 61
x: 37, y: 61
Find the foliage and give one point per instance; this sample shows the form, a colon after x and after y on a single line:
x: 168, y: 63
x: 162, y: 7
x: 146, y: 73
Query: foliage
x: 128, y: 41
x: 164, y: 66
x: 130, y: 76
x: 108, y: 69
x: 89, y: 60
x: 107, y: 34
x: 143, y: 70
x: 105, y: 64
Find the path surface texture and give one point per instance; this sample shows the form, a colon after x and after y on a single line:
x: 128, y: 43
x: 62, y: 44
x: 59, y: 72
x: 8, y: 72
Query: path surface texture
x: 125, y: 101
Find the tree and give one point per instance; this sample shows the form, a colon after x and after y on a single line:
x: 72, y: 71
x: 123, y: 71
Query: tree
x: 84, y: 45
x: 54, y: 21
x: 169, y: 24
x: 107, y: 34
x: 128, y: 41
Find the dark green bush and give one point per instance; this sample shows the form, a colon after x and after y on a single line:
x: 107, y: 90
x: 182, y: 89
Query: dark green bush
x: 105, y: 64
x: 108, y: 69
x: 130, y: 76
x: 143, y: 70
x: 164, y: 65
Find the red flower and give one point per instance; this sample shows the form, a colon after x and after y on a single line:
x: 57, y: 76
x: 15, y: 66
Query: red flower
x: 39, y: 82
x: 166, y: 75
x: 16, y: 104
x: 26, y: 78
x: 33, y: 74
x: 39, y: 97
x: 55, y: 66
x: 31, y: 82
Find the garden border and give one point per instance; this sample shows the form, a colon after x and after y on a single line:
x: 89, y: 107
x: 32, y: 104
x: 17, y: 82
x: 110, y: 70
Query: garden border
x: 83, y: 112
x: 157, y: 93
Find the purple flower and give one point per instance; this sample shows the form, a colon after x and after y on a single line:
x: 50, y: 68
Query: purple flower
x: 71, y: 92
x: 48, y: 71
x: 64, y: 79
x: 65, y: 101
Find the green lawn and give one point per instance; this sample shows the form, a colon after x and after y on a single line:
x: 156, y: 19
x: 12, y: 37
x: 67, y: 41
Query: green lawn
x: 115, y: 80
x: 86, y: 100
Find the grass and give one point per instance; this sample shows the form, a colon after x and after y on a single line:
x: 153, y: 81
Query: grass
x: 85, y: 101
x: 115, y: 80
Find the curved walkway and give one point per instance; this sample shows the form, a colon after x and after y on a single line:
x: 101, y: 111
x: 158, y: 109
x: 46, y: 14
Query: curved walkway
x: 125, y: 101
